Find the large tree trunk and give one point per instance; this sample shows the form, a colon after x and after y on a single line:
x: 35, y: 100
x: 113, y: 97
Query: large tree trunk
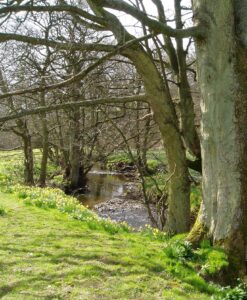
x: 178, y: 218
x: 222, y: 66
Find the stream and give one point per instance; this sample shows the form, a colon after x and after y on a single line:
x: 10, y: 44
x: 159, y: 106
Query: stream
x: 113, y: 195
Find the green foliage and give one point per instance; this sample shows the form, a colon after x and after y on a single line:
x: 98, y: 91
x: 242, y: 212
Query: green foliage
x: 155, y: 159
x: 181, y: 250
x: 5, y: 183
x: 212, y: 260
x: 154, y: 233
x: 195, y: 197
x: 155, y: 185
x: 12, y: 168
x: 215, y: 261
x: 116, y: 158
x: 2, y: 211
x: 239, y: 292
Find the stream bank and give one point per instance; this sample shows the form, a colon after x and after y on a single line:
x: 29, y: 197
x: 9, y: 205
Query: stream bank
x: 113, y: 195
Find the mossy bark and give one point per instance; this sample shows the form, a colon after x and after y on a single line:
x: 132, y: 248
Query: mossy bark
x: 198, y: 232
x: 222, y: 72
x: 178, y: 220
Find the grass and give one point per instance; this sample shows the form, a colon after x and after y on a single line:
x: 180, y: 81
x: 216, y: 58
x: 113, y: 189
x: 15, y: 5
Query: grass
x: 11, y: 166
x: 155, y: 159
x: 46, y: 254
x: 51, y: 247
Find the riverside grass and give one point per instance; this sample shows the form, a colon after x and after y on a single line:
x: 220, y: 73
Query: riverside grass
x: 54, y: 248
x: 48, y: 254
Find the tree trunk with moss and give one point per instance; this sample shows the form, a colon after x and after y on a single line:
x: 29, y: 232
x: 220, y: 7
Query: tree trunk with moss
x: 178, y: 218
x: 222, y: 66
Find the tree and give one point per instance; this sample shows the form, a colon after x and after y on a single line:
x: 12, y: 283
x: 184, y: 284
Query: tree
x: 22, y: 130
x: 222, y: 57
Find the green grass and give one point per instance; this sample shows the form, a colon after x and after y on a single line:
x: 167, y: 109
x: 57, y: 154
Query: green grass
x: 51, y: 247
x: 155, y: 159
x: 12, y: 168
x: 47, y: 254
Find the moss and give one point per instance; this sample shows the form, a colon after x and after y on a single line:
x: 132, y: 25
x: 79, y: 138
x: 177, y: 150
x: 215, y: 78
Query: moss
x: 198, y: 232
x: 234, y: 247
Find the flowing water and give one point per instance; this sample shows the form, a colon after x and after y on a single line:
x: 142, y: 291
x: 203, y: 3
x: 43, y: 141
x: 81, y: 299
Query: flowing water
x: 113, y: 195
x: 102, y: 187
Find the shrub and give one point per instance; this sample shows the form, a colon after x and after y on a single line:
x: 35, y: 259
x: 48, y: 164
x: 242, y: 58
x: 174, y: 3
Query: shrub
x: 180, y: 249
x: 2, y: 211
x: 237, y: 293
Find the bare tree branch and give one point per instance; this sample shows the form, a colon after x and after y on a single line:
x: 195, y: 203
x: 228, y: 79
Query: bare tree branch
x: 83, y: 103
x: 52, y: 8
x: 78, y: 76
x: 155, y: 25
x: 4, y: 37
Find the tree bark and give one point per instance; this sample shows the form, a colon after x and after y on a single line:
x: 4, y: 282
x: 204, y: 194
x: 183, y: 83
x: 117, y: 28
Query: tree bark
x: 178, y: 219
x: 76, y: 178
x: 186, y: 105
x: 45, y: 153
x: 45, y: 141
x: 222, y: 66
x: 28, y: 157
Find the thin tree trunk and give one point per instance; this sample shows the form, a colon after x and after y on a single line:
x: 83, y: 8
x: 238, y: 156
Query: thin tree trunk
x: 186, y: 106
x: 28, y: 159
x: 45, y: 142
x: 45, y: 154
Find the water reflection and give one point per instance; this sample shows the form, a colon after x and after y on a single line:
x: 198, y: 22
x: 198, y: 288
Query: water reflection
x: 102, y: 187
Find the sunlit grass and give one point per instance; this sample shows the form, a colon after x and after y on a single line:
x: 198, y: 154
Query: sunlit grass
x: 51, y: 247
x: 49, y: 255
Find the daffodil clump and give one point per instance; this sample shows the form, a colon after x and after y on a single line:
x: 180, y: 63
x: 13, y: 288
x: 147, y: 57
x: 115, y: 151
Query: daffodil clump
x: 155, y: 233
x: 50, y: 198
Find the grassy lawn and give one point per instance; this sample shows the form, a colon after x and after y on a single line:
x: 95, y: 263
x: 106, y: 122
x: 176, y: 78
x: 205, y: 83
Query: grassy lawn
x: 45, y: 254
